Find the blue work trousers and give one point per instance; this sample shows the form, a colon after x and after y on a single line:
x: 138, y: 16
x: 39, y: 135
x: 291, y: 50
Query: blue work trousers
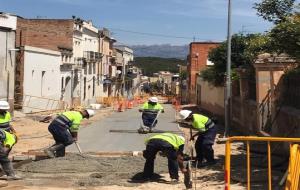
x: 204, y: 145
x: 154, y: 146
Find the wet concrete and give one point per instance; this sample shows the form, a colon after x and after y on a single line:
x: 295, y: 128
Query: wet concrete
x: 89, y: 171
x: 96, y: 137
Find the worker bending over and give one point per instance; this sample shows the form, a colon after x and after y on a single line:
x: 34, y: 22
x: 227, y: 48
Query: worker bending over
x: 7, y: 141
x: 5, y: 117
x: 64, y: 129
x: 169, y: 144
x: 206, y: 136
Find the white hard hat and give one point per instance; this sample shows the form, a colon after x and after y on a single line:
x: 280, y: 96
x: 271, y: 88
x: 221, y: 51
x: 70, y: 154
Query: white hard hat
x: 153, y: 99
x: 182, y: 138
x: 90, y: 112
x: 4, y: 105
x: 183, y: 114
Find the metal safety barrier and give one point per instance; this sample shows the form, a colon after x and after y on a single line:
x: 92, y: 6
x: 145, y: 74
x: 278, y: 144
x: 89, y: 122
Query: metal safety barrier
x: 294, y: 164
x: 292, y: 182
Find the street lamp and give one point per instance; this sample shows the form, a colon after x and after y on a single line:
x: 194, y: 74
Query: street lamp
x: 228, y: 74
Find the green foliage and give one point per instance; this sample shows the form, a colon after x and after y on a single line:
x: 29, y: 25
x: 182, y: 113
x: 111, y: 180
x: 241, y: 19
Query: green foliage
x: 286, y: 37
x: 150, y: 65
x: 275, y: 11
x: 183, y: 74
x: 245, y: 49
x: 293, y: 72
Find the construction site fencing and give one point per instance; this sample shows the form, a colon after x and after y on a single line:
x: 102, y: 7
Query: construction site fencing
x: 294, y: 163
x: 36, y: 104
x: 120, y: 103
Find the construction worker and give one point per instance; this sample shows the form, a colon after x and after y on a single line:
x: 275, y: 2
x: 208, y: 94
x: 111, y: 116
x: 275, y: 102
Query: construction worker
x: 64, y: 129
x: 206, y: 136
x: 5, y: 117
x: 150, y: 111
x: 170, y: 145
x: 7, y: 141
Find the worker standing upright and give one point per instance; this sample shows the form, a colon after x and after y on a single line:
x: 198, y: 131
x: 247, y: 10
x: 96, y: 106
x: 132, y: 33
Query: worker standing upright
x: 150, y: 111
x: 172, y: 146
x: 64, y: 129
x: 5, y: 117
x: 7, y: 141
x: 207, y: 131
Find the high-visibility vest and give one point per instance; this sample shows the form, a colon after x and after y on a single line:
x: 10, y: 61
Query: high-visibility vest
x: 75, y: 118
x: 10, y: 139
x: 173, y: 139
x: 200, y: 122
x: 5, y: 120
x: 147, y: 106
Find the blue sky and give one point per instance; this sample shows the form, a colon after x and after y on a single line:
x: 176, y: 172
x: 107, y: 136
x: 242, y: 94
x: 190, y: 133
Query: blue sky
x: 204, y: 19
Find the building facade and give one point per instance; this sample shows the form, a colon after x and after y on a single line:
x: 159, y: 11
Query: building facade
x: 197, y: 61
x: 108, y: 68
x: 46, y: 48
x: 8, y: 24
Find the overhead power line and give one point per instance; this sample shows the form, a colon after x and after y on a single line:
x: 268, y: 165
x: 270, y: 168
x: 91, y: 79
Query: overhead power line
x: 159, y: 35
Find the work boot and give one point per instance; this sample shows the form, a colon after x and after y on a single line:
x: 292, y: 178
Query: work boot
x: 207, y: 163
x: 9, y: 172
x: 174, y: 181
x: 51, y: 152
x: 10, y: 177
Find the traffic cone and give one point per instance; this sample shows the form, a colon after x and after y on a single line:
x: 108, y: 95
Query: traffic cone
x: 120, y: 106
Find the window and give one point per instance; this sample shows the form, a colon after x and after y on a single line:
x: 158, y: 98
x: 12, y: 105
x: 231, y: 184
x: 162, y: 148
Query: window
x: 84, y: 88
x: 43, y: 82
x: 94, y: 68
x: 62, y: 84
x: 94, y: 86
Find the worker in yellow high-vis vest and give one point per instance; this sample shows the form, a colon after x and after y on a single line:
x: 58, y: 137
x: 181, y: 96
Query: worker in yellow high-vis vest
x: 170, y: 145
x: 64, y: 129
x: 5, y: 117
x: 7, y: 141
x: 207, y: 131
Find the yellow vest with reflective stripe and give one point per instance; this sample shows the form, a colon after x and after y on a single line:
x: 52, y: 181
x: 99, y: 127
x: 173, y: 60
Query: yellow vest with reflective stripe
x: 75, y: 118
x: 173, y: 139
x: 199, y: 122
x: 10, y: 139
x: 5, y: 119
x: 147, y: 106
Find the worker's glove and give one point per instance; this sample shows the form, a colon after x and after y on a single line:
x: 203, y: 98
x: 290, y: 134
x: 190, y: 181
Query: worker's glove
x: 75, y: 139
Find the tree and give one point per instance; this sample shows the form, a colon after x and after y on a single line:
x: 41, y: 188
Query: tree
x: 285, y: 35
x: 245, y: 49
x: 275, y: 11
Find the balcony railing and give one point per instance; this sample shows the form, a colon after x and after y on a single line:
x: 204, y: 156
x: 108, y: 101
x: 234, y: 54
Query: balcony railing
x: 92, y: 56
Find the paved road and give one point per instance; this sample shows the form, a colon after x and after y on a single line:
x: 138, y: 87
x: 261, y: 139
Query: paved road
x: 97, y: 137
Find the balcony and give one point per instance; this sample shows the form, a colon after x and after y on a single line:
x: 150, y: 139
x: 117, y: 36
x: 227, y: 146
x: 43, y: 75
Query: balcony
x: 91, y: 56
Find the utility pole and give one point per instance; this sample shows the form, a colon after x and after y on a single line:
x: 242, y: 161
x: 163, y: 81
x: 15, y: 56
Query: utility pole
x: 228, y: 74
x: 123, y: 78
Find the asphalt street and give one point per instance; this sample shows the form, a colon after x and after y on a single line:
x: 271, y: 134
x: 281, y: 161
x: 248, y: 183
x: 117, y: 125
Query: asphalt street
x: 97, y: 137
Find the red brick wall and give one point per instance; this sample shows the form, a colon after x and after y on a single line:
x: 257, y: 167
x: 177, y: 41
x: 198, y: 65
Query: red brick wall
x: 45, y: 33
x: 42, y: 33
x: 197, y: 64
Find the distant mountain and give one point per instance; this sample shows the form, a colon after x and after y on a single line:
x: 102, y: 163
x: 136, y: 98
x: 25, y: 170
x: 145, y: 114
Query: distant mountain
x: 150, y: 65
x: 164, y: 51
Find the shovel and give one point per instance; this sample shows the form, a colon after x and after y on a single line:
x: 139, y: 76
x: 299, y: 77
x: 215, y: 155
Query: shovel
x: 78, y: 147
